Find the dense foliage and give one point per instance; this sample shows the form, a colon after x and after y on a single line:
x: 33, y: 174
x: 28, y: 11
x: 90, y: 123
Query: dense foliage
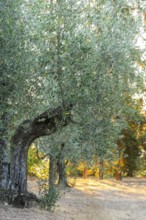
x: 79, y: 52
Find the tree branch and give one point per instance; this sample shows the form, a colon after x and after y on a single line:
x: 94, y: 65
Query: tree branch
x: 43, y: 157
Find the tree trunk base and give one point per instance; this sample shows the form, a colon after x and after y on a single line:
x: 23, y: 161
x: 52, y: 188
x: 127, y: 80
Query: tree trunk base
x: 4, y: 195
x: 100, y: 177
x: 118, y: 176
x: 64, y: 185
x: 85, y: 173
x: 22, y: 200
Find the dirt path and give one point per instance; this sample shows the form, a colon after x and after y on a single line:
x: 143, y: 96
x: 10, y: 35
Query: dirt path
x: 105, y: 200
x: 90, y: 200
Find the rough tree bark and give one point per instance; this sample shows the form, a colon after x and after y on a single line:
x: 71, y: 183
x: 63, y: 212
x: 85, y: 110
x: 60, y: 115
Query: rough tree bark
x: 4, y: 163
x: 52, y: 171
x: 101, y: 170
x: 62, y: 174
x: 61, y: 168
x: 85, y: 173
x: 43, y: 125
x: 118, y: 175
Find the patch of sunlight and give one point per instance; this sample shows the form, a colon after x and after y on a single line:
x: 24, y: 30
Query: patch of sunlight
x: 122, y: 188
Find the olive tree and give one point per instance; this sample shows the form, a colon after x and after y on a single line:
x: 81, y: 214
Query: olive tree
x: 62, y: 52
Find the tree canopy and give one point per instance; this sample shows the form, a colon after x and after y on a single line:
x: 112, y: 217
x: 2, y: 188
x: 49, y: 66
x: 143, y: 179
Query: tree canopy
x: 83, y: 53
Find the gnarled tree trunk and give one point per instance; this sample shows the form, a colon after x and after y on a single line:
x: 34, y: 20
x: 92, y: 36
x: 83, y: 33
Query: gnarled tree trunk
x: 62, y: 174
x: 61, y: 168
x: 27, y: 132
x: 4, y: 163
x: 85, y: 173
x: 18, y: 167
x: 118, y: 175
x: 101, y: 170
x: 52, y: 171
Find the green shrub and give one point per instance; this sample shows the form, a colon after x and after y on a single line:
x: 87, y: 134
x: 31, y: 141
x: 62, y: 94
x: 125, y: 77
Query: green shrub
x: 49, y: 198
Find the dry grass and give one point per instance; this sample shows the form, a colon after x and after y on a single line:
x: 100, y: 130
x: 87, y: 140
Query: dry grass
x: 90, y: 200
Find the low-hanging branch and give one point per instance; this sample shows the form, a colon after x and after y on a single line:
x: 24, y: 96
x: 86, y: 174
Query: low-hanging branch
x: 44, y: 124
x: 43, y: 157
x: 48, y: 154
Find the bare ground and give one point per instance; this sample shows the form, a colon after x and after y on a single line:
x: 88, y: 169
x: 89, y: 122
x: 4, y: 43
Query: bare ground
x: 90, y: 200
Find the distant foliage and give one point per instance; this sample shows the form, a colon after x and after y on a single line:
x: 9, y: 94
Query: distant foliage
x: 36, y: 167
